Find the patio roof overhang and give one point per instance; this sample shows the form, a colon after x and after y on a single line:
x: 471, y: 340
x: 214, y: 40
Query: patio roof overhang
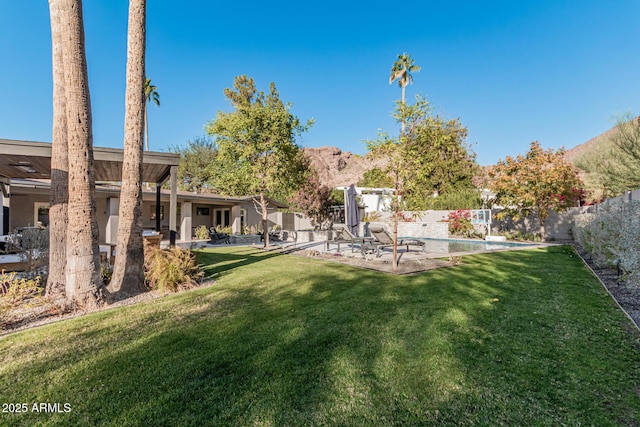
x: 29, y: 159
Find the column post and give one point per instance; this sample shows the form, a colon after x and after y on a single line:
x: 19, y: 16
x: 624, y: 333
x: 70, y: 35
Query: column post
x: 173, y: 206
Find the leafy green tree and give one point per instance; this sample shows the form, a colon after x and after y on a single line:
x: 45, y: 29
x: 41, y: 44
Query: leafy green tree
x: 257, y: 150
x: 391, y: 150
x: 194, y: 171
x: 535, y: 183
x: 463, y: 199
x: 437, y: 158
x: 376, y: 178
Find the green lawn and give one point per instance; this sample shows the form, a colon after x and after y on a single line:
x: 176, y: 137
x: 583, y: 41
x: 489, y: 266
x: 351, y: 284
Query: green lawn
x: 512, y: 338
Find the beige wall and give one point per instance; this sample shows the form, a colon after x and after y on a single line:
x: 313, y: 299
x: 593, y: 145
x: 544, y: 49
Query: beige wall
x: 22, y: 209
x: 22, y: 213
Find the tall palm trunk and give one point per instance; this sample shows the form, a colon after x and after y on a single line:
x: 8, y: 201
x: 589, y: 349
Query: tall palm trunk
x: 128, y: 273
x: 264, y: 206
x: 59, y: 166
x: 146, y: 128
x: 83, y: 278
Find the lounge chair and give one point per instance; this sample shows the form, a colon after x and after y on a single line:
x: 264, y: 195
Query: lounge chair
x: 215, y: 237
x: 343, y: 236
x: 382, y: 240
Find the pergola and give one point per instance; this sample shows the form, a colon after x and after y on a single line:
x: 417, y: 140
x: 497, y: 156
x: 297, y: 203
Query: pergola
x: 32, y: 160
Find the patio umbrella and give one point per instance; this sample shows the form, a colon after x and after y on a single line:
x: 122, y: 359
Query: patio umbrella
x: 351, y: 210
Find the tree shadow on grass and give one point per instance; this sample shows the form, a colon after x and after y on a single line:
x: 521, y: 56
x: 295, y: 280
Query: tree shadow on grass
x: 321, y: 344
x: 306, y: 343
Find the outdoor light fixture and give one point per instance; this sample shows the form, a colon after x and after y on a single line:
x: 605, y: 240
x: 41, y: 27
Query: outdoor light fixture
x: 25, y: 167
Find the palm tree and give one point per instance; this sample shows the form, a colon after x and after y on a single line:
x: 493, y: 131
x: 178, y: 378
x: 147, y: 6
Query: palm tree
x: 401, y: 71
x: 83, y: 280
x: 59, y: 166
x: 150, y: 94
x: 128, y: 271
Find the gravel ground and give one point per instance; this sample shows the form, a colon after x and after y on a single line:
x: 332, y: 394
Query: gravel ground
x: 628, y: 298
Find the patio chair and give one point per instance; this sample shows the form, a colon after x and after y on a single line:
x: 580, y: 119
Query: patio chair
x: 382, y: 240
x: 343, y: 236
x: 215, y: 237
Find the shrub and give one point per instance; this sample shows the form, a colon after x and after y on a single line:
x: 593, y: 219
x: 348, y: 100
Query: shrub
x: 403, y: 217
x: 171, y: 270
x: 32, y: 245
x: 202, y: 233
x: 372, y: 216
x: 106, y: 271
x: 460, y: 223
x: 18, y: 291
x: 612, y: 236
x: 225, y: 230
x: 461, y: 199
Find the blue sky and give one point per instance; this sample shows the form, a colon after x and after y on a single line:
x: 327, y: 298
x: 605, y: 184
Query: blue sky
x: 557, y: 71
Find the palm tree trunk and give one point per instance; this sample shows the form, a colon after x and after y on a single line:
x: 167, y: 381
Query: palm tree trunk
x: 394, y: 264
x: 146, y: 128
x: 402, y: 129
x: 264, y: 206
x: 59, y: 167
x: 128, y: 272
x: 83, y: 278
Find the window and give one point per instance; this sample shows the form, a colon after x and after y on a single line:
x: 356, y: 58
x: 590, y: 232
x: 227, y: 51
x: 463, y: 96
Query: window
x: 41, y: 214
x: 223, y: 217
x: 203, y: 212
x: 153, y: 212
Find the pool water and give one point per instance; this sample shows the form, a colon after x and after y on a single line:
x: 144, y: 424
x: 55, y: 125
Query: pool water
x: 448, y: 246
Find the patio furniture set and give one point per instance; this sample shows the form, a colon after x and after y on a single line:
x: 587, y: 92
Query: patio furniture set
x: 379, y: 240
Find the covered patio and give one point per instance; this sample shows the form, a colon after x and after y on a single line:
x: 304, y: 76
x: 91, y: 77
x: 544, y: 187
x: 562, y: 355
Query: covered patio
x: 31, y: 160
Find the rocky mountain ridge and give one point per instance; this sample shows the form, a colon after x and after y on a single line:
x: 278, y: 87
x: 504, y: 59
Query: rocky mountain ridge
x: 337, y: 168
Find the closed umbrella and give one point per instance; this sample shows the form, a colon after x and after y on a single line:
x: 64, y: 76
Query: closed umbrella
x: 351, y: 210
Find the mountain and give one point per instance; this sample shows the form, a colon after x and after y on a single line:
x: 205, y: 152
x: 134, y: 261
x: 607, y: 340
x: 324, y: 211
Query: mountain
x: 596, y: 144
x: 337, y: 168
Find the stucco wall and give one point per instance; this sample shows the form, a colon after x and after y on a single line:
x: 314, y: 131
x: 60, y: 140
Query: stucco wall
x: 22, y: 209
x: 434, y: 230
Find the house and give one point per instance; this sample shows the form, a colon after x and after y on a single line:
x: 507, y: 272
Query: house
x: 25, y: 172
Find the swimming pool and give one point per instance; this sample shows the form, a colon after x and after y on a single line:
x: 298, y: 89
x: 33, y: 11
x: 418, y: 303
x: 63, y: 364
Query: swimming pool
x: 449, y: 246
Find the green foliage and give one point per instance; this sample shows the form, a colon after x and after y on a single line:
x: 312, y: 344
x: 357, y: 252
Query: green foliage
x: 613, y: 167
x: 430, y: 156
x: 225, y: 230
x: 170, y: 270
x: 194, y: 168
x: 376, y: 178
x: 257, y: 150
x: 106, y: 271
x: 202, y: 232
x: 458, y: 199
x: 337, y: 197
x: 438, y: 158
x: 150, y: 92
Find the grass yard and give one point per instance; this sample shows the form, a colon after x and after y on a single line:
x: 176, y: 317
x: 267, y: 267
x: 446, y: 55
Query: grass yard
x: 512, y: 338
